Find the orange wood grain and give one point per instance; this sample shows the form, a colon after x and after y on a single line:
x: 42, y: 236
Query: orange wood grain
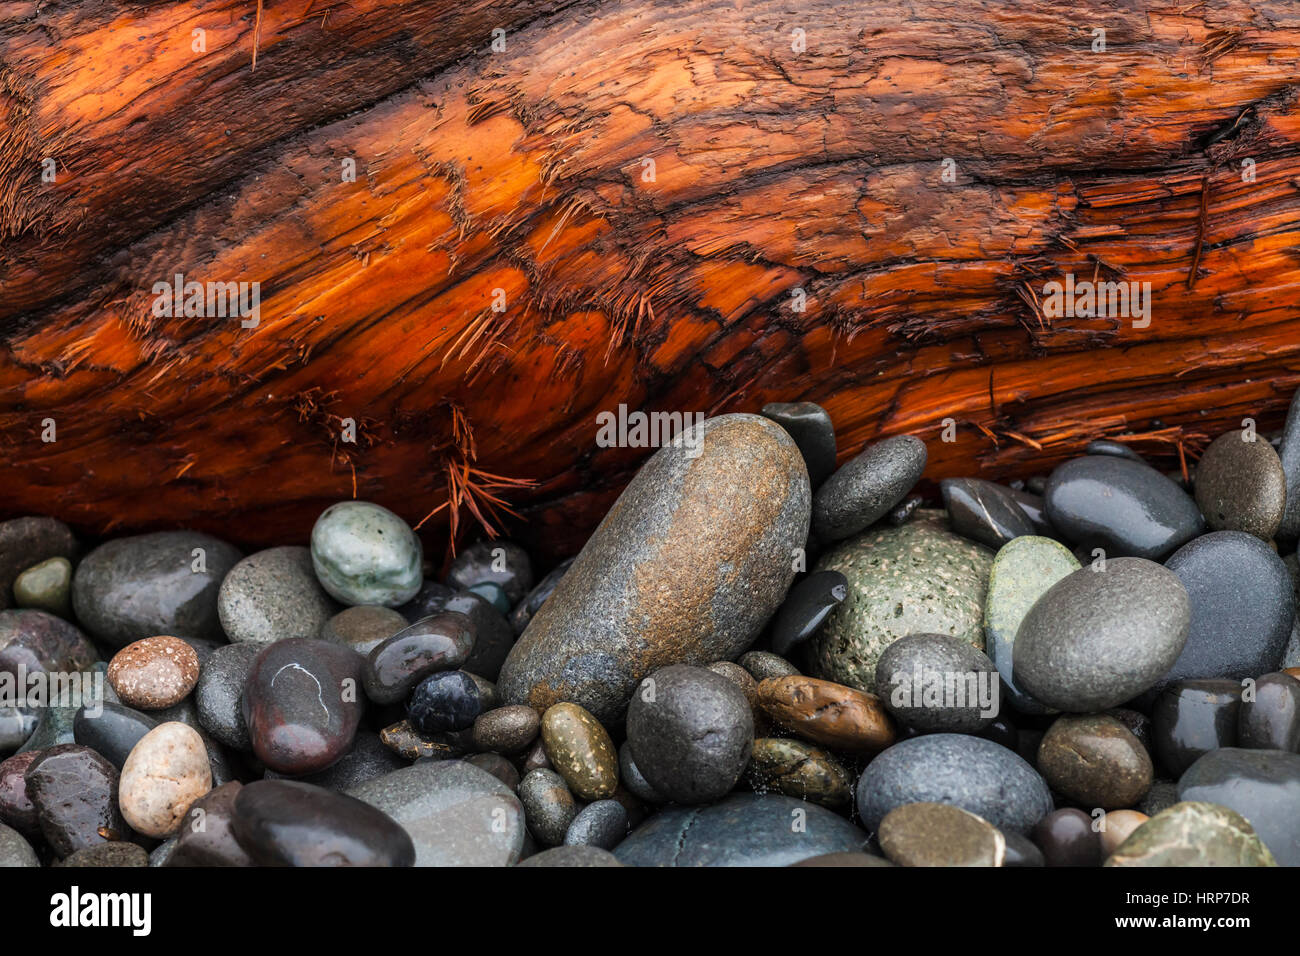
x: 522, y: 172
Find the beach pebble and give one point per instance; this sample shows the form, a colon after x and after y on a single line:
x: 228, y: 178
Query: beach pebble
x: 364, y: 554
x: 165, y: 772
x: 1240, y: 485
x: 154, y: 673
x: 867, y: 486
x: 272, y: 595
x: 580, y: 751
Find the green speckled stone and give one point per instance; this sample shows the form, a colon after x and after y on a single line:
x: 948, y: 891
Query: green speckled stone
x: 917, y: 578
x: 365, y: 554
x: 1022, y: 572
x: 1193, y: 834
x: 46, y: 587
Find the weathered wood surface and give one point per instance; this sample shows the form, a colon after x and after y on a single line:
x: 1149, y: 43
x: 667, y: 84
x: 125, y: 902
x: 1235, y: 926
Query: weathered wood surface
x: 525, y: 171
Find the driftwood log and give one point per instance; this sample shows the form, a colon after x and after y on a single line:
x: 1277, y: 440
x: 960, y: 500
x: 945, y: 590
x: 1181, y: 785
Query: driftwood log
x: 700, y: 206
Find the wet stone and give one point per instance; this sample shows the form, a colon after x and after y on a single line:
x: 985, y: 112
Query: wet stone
x: 1289, y: 454
x: 167, y: 582
x: 810, y: 427
x: 273, y: 595
x: 15, y: 851
x: 581, y: 751
x: 867, y: 486
x: 113, y: 854
x: 498, y: 766
x: 186, y: 713
x: 690, y: 731
x: 407, y: 742
x: 1022, y: 572
x: 166, y: 772
x: 843, y: 859
x: 33, y: 641
x: 827, y: 713
x: 365, y: 554
x: 602, y: 823
x: 74, y: 792
x: 984, y: 511
x: 745, y: 829
x: 761, y: 665
x: 549, y: 806
x: 525, y: 609
x: 1097, y: 638
x: 46, y: 587
x: 1066, y: 838
x: 1262, y: 785
x: 935, y: 682
x: 798, y: 769
x: 1115, y: 449
x: 286, y: 823
x: 368, y: 758
x: 1095, y: 761
x: 1021, y: 851
x: 25, y: 543
x: 936, y: 834
x: 436, y: 643
x: 805, y: 608
x: 16, y: 808
x: 502, y: 563
x: 917, y: 578
x: 455, y: 813
x: 1240, y: 485
x: 302, y: 704
x: 1271, y: 721
x: 112, y: 730
x: 448, y: 700
x: 1120, y: 825
x: 154, y: 673
x: 507, y: 730
x: 968, y: 772
x: 1193, y: 834
x: 363, y: 628
x: 493, y: 635
x: 1125, y: 507
x: 733, y: 513
x: 1242, y: 607
x: 632, y: 778
x: 206, y: 836
x: 219, y: 691
x: 1193, y: 717
x: 568, y: 856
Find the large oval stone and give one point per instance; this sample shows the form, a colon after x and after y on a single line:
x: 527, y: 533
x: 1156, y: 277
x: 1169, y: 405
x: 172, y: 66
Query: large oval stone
x: 1242, y: 607
x: 161, y: 583
x: 1262, y: 785
x: 455, y: 813
x: 975, y: 774
x: 271, y: 595
x: 917, y: 578
x: 730, y: 503
x: 746, y: 829
x: 1099, y: 638
x: 302, y: 704
x: 1124, y: 507
x: 288, y: 823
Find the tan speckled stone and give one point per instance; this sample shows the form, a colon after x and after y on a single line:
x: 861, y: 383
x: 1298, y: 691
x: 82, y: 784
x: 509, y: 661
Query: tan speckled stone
x: 581, y: 751
x: 164, y: 773
x: 154, y: 673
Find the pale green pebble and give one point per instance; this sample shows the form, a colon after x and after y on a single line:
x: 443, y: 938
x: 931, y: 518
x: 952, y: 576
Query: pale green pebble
x: 365, y: 554
x: 1023, y: 571
x: 46, y: 587
x: 1193, y: 834
x: 916, y: 578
